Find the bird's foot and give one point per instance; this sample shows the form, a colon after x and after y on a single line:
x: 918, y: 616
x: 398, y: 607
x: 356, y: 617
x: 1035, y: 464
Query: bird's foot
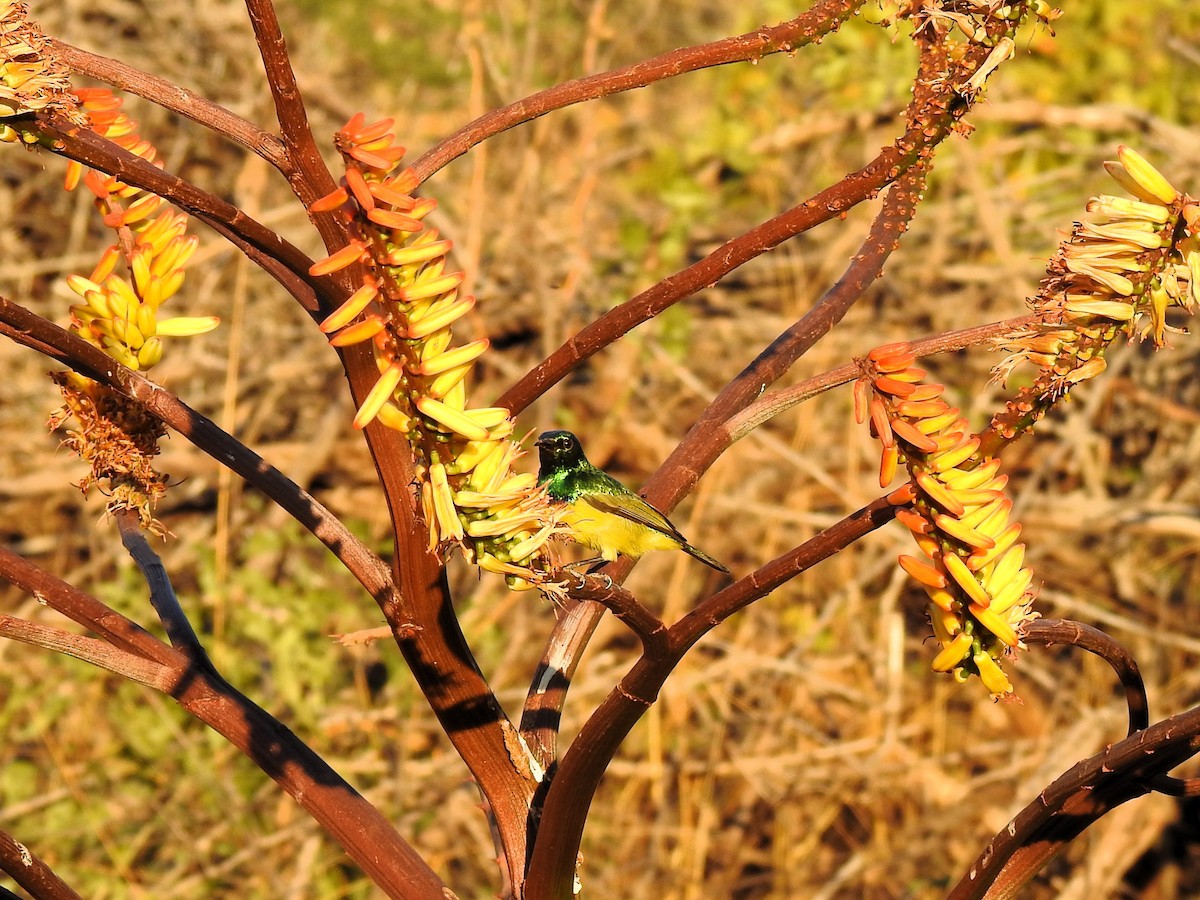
x: 597, y: 565
x: 590, y: 567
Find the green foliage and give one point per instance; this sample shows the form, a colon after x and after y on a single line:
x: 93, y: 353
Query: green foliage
x: 1132, y: 44
x: 131, y: 759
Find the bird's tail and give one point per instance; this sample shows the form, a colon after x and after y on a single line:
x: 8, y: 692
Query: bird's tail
x: 704, y: 558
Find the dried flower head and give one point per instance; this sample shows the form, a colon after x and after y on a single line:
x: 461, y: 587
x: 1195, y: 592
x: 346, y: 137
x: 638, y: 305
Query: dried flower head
x: 30, y: 77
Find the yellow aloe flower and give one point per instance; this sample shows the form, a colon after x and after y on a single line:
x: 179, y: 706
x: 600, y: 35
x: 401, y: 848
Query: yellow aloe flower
x: 959, y: 517
x: 406, y: 308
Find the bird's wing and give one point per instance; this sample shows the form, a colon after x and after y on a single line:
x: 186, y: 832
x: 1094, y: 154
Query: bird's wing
x: 629, y: 505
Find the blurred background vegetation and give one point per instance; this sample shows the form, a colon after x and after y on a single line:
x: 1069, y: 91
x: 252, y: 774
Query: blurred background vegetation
x: 805, y: 749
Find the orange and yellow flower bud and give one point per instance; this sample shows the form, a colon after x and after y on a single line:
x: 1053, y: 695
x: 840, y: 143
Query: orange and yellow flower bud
x: 1116, y: 274
x: 119, y: 313
x: 958, y: 517
x: 407, y: 307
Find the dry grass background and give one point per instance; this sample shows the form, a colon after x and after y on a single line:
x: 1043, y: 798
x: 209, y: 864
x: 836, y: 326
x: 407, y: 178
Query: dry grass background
x: 804, y: 749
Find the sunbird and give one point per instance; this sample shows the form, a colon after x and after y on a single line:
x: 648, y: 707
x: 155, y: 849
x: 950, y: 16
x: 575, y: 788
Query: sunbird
x: 604, y: 514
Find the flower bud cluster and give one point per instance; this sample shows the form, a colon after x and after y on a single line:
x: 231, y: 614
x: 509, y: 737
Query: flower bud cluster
x: 1118, y: 273
x: 405, y: 306
x: 973, y: 568
x: 119, y: 313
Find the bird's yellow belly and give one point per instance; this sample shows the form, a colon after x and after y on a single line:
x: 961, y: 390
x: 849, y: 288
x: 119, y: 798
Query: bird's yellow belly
x: 612, y: 534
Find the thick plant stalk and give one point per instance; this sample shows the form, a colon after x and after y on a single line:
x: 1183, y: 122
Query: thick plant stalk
x: 388, y: 299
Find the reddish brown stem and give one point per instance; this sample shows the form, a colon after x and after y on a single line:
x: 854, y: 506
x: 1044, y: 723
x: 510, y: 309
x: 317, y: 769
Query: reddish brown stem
x: 773, y: 404
x: 723, y: 604
x: 547, y: 695
x: 85, y: 610
x: 91, y: 650
x: 552, y: 864
x: 1084, y: 793
x: 171, y: 96
x: 649, y: 628
x: 826, y: 205
x: 28, y: 871
x: 353, y: 822
x: 1093, y: 640
x: 824, y: 18
x: 307, y: 173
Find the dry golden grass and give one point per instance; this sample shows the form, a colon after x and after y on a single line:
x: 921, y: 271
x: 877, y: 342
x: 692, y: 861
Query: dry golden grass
x: 804, y: 750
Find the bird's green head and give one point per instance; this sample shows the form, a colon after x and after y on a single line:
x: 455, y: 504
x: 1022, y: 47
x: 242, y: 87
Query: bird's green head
x: 558, y: 451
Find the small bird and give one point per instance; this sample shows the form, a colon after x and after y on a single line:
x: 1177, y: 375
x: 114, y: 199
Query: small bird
x: 604, y: 514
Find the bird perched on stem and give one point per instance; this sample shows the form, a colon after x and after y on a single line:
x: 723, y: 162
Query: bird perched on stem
x: 604, y: 514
